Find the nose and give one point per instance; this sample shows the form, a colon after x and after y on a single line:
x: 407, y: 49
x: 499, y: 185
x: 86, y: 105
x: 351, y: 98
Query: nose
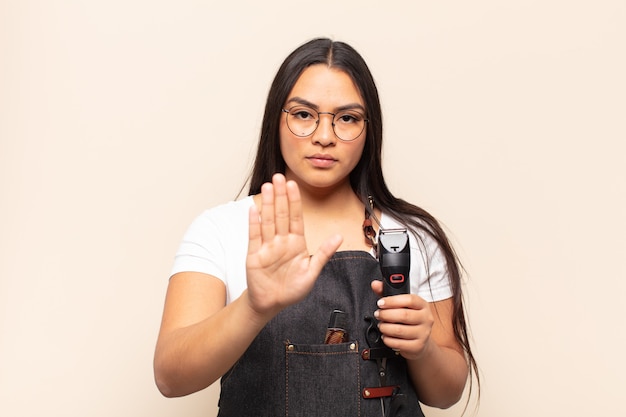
x: 325, y: 133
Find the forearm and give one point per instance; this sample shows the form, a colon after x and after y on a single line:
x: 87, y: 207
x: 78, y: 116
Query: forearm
x: 191, y: 358
x: 439, y: 375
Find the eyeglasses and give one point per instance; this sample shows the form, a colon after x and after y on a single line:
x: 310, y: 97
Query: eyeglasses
x: 348, y: 125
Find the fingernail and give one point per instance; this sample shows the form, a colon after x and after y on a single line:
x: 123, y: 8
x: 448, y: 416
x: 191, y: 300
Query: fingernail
x: 376, y: 313
x: 380, y: 302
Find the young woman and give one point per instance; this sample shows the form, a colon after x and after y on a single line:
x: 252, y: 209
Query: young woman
x: 255, y: 281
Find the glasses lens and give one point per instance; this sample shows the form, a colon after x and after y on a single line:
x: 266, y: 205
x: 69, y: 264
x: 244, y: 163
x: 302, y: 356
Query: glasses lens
x: 347, y: 124
x: 302, y: 121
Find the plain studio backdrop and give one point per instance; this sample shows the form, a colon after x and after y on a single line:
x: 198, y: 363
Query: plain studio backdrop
x: 120, y: 121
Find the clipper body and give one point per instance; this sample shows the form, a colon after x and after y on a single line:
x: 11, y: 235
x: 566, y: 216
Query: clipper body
x: 394, y: 257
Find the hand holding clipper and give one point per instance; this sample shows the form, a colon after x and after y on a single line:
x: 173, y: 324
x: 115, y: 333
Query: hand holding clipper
x: 394, y: 257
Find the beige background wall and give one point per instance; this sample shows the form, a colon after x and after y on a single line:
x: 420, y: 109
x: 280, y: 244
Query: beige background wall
x: 121, y: 120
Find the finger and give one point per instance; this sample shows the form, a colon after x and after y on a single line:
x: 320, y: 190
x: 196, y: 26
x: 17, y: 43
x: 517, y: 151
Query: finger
x: 377, y: 287
x: 268, y: 228
x: 324, y: 253
x: 411, y: 301
x: 399, y: 331
x: 254, y: 230
x: 409, y: 348
x: 281, y: 205
x: 409, y: 340
x: 400, y: 316
x: 296, y: 222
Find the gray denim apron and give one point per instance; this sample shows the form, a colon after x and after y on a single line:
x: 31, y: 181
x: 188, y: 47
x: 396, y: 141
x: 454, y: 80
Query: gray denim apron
x: 289, y: 371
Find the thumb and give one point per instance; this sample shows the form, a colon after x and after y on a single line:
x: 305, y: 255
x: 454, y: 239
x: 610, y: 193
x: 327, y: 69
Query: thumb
x: 324, y: 253
x: 377, y: 287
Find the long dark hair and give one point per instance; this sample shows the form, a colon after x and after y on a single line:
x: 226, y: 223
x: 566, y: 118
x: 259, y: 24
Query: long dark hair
x: 367, y: 177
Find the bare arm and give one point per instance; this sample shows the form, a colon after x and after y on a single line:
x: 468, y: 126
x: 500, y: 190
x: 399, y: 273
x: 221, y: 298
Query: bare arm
x: 200, y: 336
x: 423, y: 333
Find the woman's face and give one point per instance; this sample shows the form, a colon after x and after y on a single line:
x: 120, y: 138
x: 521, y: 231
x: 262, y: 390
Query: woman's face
x: 322, y: 160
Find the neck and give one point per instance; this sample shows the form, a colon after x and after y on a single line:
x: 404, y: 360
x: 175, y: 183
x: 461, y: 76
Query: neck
x: 331, y: 210
x: 339, y: 196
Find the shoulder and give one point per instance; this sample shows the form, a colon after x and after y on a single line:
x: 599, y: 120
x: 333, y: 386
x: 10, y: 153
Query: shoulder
x: 226, y: 214
x: 221, y: 223
x: 230, y: 209
x: 215, y: 240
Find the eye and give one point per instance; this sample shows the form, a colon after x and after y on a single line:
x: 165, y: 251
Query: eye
x: 302, y: 113
x: 348, y: 118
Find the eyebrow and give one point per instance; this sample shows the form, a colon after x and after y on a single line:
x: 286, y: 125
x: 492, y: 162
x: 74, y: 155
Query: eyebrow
x: 351, y: 106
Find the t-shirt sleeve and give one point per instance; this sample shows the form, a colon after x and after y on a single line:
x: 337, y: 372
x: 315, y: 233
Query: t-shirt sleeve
x: 216, y: 242
x: 436, y: 286
x: 201, y: 249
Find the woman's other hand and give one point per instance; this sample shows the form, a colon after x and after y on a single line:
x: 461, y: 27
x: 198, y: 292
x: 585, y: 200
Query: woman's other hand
x: 406, y: 322
x: 422, y: 333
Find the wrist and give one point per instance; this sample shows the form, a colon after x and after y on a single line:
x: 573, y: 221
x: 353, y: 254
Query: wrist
x: 258, y: 318
x: 426, y: 353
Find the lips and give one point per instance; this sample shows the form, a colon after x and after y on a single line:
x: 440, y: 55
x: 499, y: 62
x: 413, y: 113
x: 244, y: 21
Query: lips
x: 321, y: 160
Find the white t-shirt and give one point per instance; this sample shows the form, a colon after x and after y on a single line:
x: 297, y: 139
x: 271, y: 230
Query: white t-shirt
x: 216, y: 244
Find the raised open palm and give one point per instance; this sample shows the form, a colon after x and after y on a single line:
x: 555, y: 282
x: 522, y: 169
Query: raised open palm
x: 280, y: 271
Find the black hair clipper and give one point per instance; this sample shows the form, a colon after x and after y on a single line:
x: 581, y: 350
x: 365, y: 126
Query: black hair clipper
x: 394, y: 257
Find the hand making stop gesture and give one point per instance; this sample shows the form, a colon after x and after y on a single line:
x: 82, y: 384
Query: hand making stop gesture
x: 280, y: 271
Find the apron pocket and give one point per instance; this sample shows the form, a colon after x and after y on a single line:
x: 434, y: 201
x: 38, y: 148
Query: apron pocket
x: 322, y: 380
